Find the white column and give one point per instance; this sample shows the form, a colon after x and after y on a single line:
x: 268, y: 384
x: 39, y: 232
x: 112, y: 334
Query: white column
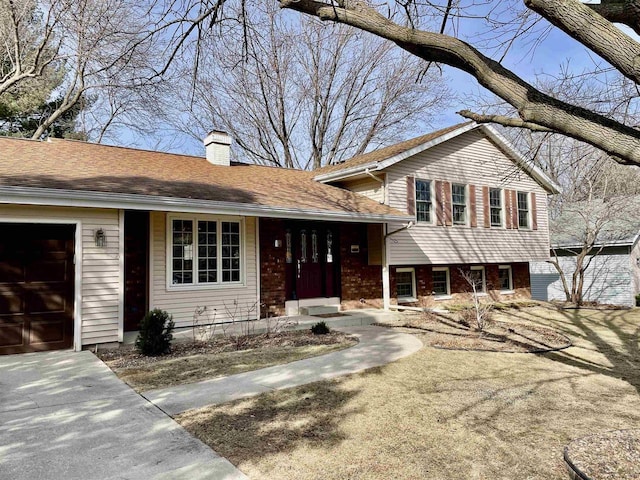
x: 386, y: 289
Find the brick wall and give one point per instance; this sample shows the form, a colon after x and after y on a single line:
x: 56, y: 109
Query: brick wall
x: 272, y: 267
x: 361, y: 283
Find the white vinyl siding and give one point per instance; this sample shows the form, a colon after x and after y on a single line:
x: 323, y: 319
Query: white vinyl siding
x: 609, y: 279
x: 226, y: 300
x: 368, y: 187
x: 100, y: 287
x: 470, y: 159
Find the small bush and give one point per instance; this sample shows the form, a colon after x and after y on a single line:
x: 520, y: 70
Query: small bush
x: 320, y: 328
x: 155, y: 334
x: 638, y: 300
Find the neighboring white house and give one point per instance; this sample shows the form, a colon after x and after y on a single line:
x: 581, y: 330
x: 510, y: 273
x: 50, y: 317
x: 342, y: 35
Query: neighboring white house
x: 613, y: 276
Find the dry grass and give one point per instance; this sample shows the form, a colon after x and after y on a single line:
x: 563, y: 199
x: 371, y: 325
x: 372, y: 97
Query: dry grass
x: 450, y: 331
x: 443, y: 414
x: 189, y: 362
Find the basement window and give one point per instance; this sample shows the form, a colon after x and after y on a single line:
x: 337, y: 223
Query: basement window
x: 406, y: 285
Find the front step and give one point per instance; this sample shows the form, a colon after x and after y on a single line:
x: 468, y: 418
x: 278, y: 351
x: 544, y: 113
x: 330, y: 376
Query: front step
x: 319, y: 309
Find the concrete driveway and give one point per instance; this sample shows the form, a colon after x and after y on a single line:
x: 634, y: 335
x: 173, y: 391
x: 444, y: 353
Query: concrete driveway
x: 65, y: 415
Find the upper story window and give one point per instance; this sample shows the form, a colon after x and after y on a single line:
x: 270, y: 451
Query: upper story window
x: 495, y: 202
x: 523, y: 210
x: 423, y: 201
x: 459, y: 204
x: 204, y: 251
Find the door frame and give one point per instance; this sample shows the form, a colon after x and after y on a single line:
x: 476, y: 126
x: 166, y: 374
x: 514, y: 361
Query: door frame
x: 295, y: 226
x: 77, y: 260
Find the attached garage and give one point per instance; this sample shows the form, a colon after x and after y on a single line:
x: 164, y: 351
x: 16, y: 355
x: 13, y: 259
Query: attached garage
x: 36, y: 287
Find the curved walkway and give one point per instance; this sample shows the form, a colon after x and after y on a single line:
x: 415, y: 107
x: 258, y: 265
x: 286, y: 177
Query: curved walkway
x: 377, y: 346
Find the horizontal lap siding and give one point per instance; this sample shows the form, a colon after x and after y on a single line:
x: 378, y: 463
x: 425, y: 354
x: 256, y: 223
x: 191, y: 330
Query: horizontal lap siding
x: 100, y: 265
x: 367, y: 187
x: 608, y: 279
x: 182, y: 303
x: 470, y: 159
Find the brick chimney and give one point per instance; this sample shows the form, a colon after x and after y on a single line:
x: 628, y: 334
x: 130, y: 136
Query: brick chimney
x: 217, y: 148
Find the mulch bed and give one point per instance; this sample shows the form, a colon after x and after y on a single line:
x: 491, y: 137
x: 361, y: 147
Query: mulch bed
x: 128, y: 356
x: 607, y: 456
x: 446, y: 331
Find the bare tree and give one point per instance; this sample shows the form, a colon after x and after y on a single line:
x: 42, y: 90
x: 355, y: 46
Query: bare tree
x: 93, y: 49
x: 481, y: 312
x: 591, y: 25
x: 298, y: 94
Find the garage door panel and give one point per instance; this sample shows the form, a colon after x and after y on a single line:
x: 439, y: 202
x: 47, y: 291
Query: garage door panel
x: 11, y: 301
x: 47, y: 271
x: 11, y: 334
x: 46, y: 331
x: 49, y: 301
x: 36, y: 287
x: 11, y: 270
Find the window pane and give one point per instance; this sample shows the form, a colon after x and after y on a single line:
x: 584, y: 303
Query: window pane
x: 182, y: 251
x: 231, y: 252
x: 459, y: 204
x: 423, y: 201
x: 207, y: 251
x: 440, y: 282
x: 504, y: 275
x: 404, y: 284
x: 523, y: 210
x: 495, y: 200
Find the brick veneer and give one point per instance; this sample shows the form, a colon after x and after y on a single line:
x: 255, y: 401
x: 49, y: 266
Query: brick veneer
x: 272, y: 267
x: 460, y: 289
x: 361, y: 283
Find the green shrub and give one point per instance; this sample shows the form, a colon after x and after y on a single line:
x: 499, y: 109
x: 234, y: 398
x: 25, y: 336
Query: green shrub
x: 320, y: 328
x: 155, y: 335
x: 638, y: 300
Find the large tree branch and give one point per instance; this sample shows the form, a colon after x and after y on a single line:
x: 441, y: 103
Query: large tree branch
x: 626, y: 12
x: 592, y: 30
x: 533, y: 106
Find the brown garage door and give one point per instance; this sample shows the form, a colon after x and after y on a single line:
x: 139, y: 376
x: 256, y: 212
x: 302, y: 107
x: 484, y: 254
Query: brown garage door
x: 36, y: 287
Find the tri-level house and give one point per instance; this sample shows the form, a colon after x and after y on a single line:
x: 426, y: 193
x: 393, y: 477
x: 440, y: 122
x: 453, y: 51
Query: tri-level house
x: 93, y: 236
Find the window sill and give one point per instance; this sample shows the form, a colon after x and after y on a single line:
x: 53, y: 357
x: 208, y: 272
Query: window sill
x: 482, y: 294
x: 215, y: 286
x: 442, y: 297
x: 507, y: 292
x: 407, y: 299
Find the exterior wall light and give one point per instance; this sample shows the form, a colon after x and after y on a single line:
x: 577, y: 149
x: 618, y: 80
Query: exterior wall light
x: 100, y: 238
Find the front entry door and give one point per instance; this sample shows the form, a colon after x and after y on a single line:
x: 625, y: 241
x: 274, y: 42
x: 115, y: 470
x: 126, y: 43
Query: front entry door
x: 310, y: 255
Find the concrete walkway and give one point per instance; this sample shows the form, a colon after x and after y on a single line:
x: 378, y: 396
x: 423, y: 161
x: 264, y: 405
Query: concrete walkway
x: 65, y: 415
x: 377, y: 346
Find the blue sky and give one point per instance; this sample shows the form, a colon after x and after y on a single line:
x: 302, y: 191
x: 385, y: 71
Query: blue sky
x: 556, y: 48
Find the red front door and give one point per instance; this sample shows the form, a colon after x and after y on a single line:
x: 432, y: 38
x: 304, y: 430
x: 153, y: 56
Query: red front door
x: 310, y: 255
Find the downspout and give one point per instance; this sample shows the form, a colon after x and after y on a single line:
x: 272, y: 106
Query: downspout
x: 382, y: 182
x: 386, y: 288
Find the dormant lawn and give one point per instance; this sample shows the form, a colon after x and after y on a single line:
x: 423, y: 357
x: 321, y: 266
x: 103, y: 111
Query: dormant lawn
x: 443, y: 414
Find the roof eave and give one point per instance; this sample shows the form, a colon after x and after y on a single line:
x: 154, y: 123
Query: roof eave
x: 381, y: 165
x: 92, y: 199
x: 536, y: 173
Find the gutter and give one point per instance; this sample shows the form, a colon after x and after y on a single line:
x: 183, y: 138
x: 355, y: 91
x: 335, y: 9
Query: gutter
x: 91, y: 199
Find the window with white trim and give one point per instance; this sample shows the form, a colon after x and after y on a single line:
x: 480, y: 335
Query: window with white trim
x: 204, y: 251
x: 478, y: 279
x: 505, y: 277
x: 406, y: 284
x: 440, y: 280
x: 495, y: 202
x: 459, y: 204
x: 523, y: 210
x: 423, y: 201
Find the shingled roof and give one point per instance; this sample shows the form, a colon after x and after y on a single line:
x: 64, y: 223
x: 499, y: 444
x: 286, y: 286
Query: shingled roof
x: 90, y: 169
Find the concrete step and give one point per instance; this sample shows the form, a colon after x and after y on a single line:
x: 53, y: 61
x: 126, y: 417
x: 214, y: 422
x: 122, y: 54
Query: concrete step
x: 319, y: 309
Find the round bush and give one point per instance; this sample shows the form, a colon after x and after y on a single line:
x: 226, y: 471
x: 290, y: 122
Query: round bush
x: 155, y: 334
